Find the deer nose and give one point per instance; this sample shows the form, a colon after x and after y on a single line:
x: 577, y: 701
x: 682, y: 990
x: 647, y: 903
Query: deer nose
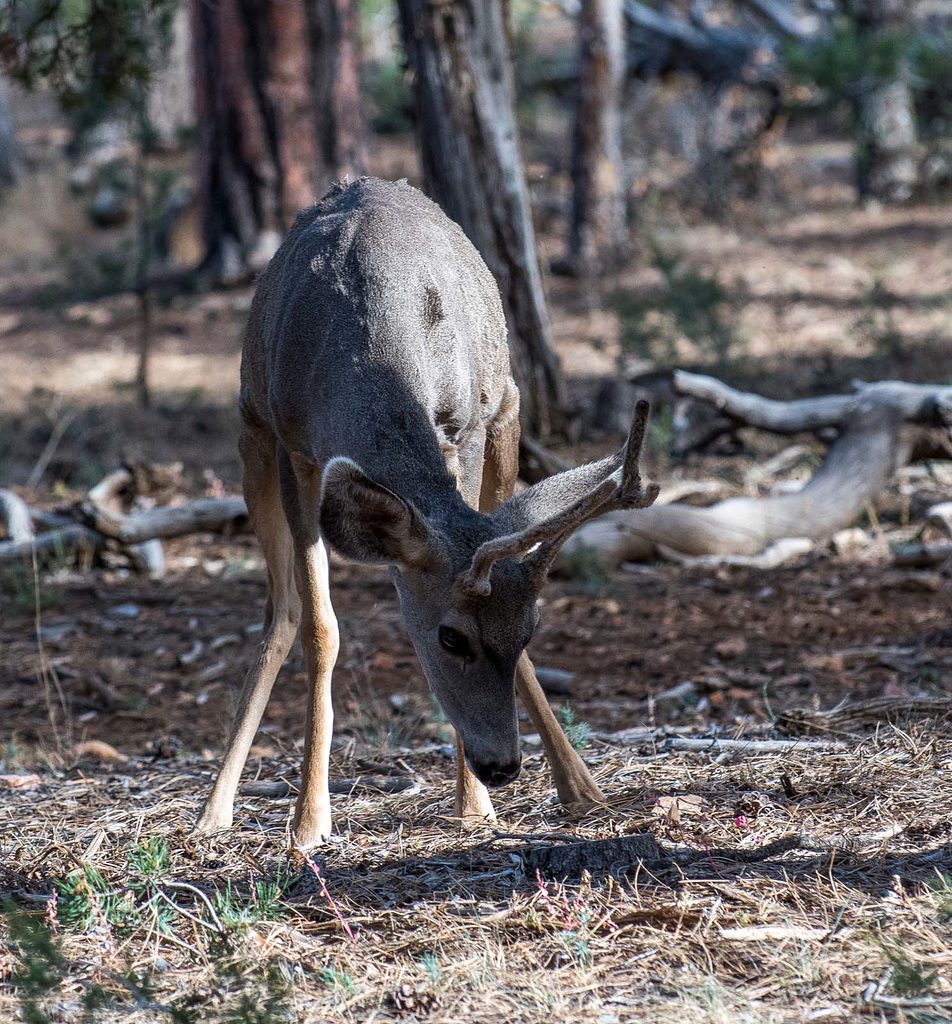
x: 495, y: 774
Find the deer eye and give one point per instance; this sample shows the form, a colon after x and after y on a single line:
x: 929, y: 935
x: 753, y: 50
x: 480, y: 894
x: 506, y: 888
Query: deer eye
x: 455, y: 642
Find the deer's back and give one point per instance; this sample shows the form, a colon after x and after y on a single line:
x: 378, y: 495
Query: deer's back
x: 375, y: 320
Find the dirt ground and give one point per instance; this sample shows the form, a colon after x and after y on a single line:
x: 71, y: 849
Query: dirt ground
x: 404, y: 916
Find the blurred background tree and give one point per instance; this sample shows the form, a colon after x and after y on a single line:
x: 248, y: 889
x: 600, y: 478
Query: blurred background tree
x: 279, y: 118
x: 546, y: 129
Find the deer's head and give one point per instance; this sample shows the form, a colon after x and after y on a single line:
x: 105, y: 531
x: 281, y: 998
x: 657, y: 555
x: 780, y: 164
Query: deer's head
x: 468, y: 594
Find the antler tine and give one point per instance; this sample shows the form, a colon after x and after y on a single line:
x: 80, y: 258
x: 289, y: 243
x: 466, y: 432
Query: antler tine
x: 477, y: 578
x: 630, y: 493
x: 552, y: 532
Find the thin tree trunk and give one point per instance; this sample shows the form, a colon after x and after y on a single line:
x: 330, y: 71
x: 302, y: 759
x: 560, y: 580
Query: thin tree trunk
x: 598, y: 230
x: 279, y: 118
x: 888, y: 166
x: 341, y: 129
x: 171, y: 103
x: 469, y: 142
x: 9, y: 150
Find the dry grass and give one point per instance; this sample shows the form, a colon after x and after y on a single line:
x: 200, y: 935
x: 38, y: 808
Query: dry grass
x: 404, y: 916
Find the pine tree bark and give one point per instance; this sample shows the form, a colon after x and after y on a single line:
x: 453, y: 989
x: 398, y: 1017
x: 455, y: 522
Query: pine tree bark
x: 598, y: 230
x: 888, y: 167
x: 279, y: 118
x: 458, y: 53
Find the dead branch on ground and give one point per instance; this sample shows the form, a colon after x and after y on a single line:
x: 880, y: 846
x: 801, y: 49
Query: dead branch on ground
x: 879, y: 427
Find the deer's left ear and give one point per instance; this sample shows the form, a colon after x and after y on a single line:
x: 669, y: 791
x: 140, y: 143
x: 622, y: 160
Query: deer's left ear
x: 368, y: 522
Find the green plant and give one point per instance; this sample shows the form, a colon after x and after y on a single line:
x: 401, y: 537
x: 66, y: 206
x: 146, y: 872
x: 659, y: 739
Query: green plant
x: 85, y: 898
x: 690, y: 305
x: 334, y: 977
x: 263, y: 902
x: 388, y: 94
x: 852, y: 61
x: 942, y: 887
x: 430, y: 962
x: 54, y: 43
x: 579, y: 734
x: 268, y: 1002
x: 262, y: 995
x: 150, y: 859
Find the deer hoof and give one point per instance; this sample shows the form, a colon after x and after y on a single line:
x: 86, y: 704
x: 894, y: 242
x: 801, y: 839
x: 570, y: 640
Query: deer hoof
x: 311, y: 831
x: 580, y: 795
x: 211, y: 821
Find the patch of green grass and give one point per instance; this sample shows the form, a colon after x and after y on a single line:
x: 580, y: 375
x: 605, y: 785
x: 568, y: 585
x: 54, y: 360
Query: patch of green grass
x: 85, y: 898
x: 40, y: 966
x: 21, y: 589
x: 261, y: 996
x: 268, y: 1002
x: 910, y: 977
x: 579, y: 734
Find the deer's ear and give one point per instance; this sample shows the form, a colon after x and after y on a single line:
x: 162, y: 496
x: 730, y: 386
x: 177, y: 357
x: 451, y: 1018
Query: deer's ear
x: 366, y: 521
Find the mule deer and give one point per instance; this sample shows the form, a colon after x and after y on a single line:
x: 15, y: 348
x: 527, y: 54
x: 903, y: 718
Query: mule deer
x: 379, y: 416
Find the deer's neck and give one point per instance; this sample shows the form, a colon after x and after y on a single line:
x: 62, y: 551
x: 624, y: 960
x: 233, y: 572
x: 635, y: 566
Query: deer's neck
x: 399, y: 444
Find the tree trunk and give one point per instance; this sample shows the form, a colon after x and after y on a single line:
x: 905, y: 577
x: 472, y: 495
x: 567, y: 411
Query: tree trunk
x: 279, y: 118
x: 9, y: 150
x: 335, y: 69
x: 469, y: 142
x: 598, y: 230
x: 171, y: 101
x: 888, y: 165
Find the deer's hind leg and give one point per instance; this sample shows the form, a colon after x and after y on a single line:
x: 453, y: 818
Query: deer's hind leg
x: 258, y: 448
x: 572, y: 779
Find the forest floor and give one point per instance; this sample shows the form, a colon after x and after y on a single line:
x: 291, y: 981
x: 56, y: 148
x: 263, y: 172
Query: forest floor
x: 403, y: 915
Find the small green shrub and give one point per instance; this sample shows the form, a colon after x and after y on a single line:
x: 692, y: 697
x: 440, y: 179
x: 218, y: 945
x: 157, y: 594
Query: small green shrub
x: 150, y: 859
x: 579, y: 734
x: 334, y: 977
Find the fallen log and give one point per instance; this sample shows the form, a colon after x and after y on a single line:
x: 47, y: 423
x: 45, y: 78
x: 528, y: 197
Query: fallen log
x: 922, y: 556
x: 66, y: 541
x: 205, y: 515
x: 879, y: 428
x: 341, y: 787
x: 923, y: 404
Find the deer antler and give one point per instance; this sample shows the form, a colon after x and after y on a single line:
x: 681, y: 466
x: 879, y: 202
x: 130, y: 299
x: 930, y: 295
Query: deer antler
x: 550, y: 534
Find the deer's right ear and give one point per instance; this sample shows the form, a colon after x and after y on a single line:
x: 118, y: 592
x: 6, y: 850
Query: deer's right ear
x: 368, y: 522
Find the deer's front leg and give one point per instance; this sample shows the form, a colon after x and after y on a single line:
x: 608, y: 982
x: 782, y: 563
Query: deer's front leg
x: 320, y: 641
x: 301, y: 496
x: 572, y: 779
x: 473, y: 805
